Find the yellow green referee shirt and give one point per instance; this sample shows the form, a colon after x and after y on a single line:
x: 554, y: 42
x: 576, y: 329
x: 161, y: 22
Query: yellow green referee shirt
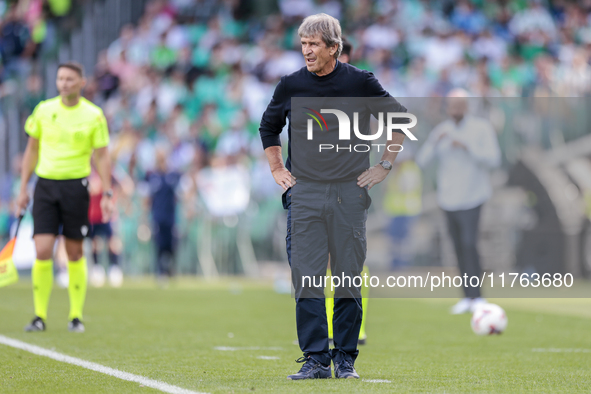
x: 67, y: 136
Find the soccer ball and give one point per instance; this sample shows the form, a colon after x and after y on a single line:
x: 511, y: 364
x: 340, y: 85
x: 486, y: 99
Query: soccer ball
x: 489, y: 319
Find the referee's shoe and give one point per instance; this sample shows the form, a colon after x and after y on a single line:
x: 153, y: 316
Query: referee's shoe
x: 311, y: 369
x: 36, y: 325
x: 75, y: 326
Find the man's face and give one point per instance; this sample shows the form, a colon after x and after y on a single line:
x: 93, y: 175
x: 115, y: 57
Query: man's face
x: 457, y: 107
x: 161, y: 158
x: 69, y: 83
x: 318, y: 56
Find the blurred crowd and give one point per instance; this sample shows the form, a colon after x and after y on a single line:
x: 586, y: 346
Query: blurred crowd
x: 190, y: 80
x: 196, y: 76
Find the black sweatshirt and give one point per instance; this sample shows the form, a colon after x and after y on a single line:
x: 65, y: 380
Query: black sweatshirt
x: 344, y: 81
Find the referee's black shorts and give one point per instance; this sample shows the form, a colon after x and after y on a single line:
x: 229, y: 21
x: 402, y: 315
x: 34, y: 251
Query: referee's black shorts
x: 61, y: 204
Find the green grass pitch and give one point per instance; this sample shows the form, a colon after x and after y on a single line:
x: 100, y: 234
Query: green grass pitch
x: 171, y: 335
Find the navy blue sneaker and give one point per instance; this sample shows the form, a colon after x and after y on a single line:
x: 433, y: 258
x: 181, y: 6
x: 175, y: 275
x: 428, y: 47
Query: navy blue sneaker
x: 311, y: 369
x: 345, y: 370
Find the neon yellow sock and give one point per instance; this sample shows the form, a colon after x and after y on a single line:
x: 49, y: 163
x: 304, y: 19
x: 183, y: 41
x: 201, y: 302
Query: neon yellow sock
x: 364, y: 302
x: 42, y: 275
x: 78, y: 273
x: 329, y: 301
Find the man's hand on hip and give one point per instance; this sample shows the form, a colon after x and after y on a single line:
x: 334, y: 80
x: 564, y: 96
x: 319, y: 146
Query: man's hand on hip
x: 284, y: 178
x: 372, y: 176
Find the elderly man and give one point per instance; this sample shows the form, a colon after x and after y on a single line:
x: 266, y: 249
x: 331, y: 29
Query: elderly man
x: 330, y: 208
x: 466, y: 147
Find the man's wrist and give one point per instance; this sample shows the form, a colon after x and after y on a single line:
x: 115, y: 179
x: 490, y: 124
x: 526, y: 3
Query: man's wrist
x: 108, y: 193
x: 385, y: 164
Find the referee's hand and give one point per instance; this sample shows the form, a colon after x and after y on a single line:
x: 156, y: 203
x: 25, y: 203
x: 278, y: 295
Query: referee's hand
x: 284, y: 178
x: 22, y: 202
x: 106, y: 208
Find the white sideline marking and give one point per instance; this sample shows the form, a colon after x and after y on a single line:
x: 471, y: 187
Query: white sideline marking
x: 268, y: 357
x: 554, y: 350
x: 155, y: 384
x: 233, y: 349
x: 376, y: 381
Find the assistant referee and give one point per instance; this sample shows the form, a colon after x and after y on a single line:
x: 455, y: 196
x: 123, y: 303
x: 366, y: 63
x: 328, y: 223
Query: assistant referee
x: 63, y: 134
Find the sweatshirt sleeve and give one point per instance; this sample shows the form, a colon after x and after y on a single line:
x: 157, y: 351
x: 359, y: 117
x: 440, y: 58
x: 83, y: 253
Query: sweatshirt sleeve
x: 274, y: 117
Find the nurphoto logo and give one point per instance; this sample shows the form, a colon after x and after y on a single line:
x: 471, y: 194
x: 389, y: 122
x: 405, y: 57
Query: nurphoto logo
x: 345, y: 129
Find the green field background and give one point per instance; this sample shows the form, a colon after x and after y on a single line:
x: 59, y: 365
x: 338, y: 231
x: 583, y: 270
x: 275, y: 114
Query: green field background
x: 171, y: 334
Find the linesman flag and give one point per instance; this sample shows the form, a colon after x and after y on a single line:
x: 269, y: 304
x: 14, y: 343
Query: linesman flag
x: 8, y: 272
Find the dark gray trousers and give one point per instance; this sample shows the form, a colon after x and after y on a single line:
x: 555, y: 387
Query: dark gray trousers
x: 463, y: 228
x: 326, y: 218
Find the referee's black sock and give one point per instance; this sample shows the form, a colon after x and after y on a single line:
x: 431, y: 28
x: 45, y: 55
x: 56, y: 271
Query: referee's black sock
x: 95, y: 257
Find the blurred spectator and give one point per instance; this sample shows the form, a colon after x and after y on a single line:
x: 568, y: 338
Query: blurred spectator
x: 14, y: 36
x: 574, y: 78
x: 59, y: 7
x: 381, y: 35
x: 489, y: 46
x: 162, y: 190
x: 101, y: 233
x: 467, y: 18
x: 533, y: 22
x: 107, y: 81
x: 465, y: 147
x: 34, y: 93
x: 163, y: 56
x: 443, y: 50
x: 172, y: 92
x: 402, y: 202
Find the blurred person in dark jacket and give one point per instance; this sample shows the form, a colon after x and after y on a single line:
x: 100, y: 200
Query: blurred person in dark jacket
x: 162, y: 184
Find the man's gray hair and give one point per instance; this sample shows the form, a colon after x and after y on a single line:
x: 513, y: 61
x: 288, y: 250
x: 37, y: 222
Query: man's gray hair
x: 327, y: 26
